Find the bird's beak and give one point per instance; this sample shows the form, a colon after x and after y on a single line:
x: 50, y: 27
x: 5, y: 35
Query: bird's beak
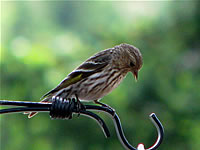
x: 135, y: 74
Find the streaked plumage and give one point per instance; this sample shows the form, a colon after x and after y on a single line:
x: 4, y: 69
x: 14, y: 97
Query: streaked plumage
x: 99, y: 74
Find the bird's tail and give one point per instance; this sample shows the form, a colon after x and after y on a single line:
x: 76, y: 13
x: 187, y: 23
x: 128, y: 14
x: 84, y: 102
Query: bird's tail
x: 30, y: 114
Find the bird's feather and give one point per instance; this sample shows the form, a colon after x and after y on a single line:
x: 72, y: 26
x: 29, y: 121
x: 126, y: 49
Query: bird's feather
x: 89, y: 67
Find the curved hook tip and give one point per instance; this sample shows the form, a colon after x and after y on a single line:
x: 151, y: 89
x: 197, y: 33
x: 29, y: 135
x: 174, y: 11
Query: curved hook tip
x: 152, y: 115
x: 160, y: 131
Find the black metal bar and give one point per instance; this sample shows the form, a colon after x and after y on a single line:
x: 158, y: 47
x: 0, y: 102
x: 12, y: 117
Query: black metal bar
x: 24, y: 109
x: 100, y: 122
x: 24, y: 103
x: 45, y: 107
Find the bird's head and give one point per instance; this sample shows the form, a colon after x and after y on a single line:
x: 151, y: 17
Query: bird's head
x: 130, y: 59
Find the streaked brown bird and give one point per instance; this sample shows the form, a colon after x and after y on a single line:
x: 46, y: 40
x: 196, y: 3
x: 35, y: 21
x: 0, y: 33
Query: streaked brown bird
x: 98, y: 75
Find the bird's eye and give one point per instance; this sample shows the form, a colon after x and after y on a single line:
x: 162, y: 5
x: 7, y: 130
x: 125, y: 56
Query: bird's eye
x: 132, y: 64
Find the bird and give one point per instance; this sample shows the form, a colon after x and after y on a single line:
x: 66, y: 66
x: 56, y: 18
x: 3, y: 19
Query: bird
x: 98, y: 75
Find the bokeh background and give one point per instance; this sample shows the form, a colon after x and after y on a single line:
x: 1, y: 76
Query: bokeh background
x: 41, y: 42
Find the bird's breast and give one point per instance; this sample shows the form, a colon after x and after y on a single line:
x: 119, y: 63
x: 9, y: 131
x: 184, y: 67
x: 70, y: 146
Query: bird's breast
x: 98, y: 85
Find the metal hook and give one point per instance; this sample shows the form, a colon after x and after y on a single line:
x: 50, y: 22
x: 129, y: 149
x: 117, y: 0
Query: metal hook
x: 120, y: 133
x: 34, y: 106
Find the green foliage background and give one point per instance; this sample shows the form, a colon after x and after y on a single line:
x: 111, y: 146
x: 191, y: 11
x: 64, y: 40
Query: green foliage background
x: 42, y: 42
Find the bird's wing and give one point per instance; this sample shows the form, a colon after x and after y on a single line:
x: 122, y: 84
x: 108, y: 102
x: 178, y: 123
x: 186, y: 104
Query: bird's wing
x: 93, y: 65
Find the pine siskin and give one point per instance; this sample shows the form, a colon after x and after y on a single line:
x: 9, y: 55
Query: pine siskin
x: 98, y: 75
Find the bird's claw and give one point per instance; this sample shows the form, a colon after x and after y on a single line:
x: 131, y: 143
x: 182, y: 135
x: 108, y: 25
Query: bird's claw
x: 79, y: 105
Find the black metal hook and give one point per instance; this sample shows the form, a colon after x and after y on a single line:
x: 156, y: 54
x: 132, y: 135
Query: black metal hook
x: 120, y: 133
x: 69, y: 108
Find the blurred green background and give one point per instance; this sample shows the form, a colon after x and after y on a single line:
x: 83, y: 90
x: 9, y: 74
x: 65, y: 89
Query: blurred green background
x: 42, y: 42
